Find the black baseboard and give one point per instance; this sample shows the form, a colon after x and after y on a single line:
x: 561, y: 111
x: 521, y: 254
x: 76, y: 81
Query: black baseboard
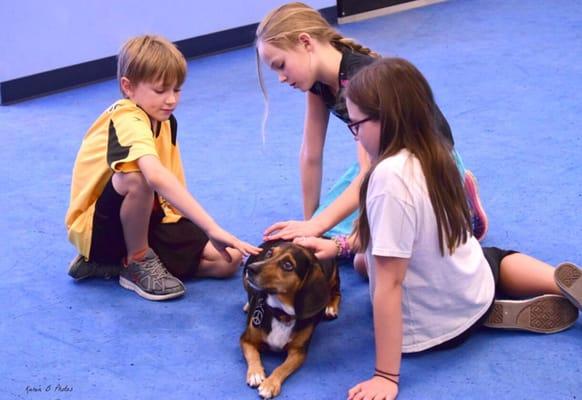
x: 351, y: 7
x: 105, y: 68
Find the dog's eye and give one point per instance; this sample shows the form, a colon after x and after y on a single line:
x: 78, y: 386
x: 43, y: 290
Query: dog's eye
x: 269, y: 253
x: 287, y: 266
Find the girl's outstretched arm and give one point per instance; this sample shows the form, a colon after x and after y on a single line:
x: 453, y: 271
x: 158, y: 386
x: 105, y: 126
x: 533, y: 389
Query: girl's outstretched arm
x: 311, y: 153
x: 311, y: 170
x: 343, y: 206
x: 348, y: 201
x: 387, y: 306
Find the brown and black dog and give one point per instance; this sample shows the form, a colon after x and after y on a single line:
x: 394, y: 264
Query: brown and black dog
x: 289, y: 291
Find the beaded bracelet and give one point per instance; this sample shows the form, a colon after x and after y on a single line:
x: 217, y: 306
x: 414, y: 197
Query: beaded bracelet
x: 343, y: 246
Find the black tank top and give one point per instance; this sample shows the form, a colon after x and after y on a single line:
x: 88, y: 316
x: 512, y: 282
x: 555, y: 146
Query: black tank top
x: 351, y: 63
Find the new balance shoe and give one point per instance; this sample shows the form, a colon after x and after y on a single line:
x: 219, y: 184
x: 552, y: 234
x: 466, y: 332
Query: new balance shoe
x: 150, y: 279
x: 549, y: 313
x: 568, y: 277
x: 478, y: 216
x: 79, y: 269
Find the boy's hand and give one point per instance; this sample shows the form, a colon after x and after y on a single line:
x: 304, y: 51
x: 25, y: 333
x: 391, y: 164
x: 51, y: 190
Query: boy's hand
x: 221, y: 239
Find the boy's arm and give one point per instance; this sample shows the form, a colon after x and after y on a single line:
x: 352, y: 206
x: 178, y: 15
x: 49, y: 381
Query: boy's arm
x: 166, y: 184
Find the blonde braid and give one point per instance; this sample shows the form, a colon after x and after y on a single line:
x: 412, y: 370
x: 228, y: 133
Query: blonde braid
x: 339, y: 42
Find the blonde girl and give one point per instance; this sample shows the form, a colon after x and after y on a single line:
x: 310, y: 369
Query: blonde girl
x: 306, y: 53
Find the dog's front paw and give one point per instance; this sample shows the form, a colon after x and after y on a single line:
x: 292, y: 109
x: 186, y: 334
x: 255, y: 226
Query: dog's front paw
x: 331, y: 312
x: 270, y: 388
x: 255, y: 377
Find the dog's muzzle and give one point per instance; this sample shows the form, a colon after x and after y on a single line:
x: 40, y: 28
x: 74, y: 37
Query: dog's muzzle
x: 249, y: 274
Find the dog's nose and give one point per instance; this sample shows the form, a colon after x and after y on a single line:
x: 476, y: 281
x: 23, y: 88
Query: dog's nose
x: 253, y: 268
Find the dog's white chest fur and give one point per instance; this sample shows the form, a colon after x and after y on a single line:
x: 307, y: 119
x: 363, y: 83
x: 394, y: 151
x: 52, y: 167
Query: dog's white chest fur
x: 280, y: 333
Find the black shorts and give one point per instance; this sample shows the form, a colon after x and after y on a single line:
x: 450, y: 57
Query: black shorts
x: 493, y: 255
x: 179, y: 245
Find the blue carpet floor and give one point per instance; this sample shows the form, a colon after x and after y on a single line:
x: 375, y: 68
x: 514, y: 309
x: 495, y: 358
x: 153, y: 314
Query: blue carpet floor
x: 508, y: 76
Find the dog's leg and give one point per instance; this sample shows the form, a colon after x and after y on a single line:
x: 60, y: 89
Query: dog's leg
x: 296, y: 354
x: 271, y: 386
x: 255, y: 370
x: 332, y: 308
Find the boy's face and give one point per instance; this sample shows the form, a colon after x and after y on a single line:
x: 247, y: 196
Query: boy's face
x: 157, y: 100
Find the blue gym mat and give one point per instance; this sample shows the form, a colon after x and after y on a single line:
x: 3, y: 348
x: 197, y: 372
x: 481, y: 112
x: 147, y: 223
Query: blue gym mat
x: 507, y: 74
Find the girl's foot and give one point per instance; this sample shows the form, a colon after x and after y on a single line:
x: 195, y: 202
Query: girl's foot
x: 568, y: 277
x: 549, y: 313
x: 479, y: 217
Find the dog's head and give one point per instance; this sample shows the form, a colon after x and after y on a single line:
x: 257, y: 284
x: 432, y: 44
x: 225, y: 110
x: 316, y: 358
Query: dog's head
x: 293, y: 274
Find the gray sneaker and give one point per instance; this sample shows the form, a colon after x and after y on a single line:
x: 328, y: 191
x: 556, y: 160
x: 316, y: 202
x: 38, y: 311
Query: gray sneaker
x: 79, y: 269
x: 150, y: 279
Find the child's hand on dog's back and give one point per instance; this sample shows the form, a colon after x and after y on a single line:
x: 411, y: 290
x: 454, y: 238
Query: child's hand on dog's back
x: 324, y: 249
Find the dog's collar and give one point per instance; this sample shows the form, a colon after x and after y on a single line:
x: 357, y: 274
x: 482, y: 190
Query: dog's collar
x: 262, y: 311
x: 280, y: 315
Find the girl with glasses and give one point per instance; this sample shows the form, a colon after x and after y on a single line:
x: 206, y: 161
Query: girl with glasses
x: 300, y: 46
x: 431, y: 283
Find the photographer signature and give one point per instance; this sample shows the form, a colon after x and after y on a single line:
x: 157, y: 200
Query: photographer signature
x: 58, y: 388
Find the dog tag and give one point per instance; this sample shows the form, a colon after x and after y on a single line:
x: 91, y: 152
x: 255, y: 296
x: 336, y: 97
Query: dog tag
x: 258, y: 313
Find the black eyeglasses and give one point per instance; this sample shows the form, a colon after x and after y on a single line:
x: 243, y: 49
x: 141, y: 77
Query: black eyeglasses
x: 354, y: 127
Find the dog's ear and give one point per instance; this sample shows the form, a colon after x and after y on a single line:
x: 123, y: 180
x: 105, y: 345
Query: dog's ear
x: 315, y: 292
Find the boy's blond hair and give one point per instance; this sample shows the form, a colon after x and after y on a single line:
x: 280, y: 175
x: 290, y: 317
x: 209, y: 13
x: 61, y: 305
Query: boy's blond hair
x: 151, y: 58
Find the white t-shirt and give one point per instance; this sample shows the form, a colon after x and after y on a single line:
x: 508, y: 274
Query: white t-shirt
x: 441, y: 296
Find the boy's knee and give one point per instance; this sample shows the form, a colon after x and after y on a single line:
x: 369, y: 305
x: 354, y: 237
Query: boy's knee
x: 229, y: 268
x: 213, y: 264
x: 132, y: 182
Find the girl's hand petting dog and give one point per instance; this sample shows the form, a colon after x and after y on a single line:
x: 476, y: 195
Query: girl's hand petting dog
x: 324, y: 249
x: 292, y: 229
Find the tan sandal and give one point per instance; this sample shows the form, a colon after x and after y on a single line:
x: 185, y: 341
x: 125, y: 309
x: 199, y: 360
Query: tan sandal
x: 549, y: 313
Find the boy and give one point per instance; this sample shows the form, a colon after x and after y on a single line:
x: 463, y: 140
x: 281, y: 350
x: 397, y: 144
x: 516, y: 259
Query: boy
x: 130, y: 213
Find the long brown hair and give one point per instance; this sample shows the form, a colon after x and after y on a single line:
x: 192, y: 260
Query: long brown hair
x: 395, y: 93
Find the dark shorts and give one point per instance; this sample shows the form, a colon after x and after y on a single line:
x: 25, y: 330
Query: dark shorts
x: 493, y: 255
x: 179, y: 245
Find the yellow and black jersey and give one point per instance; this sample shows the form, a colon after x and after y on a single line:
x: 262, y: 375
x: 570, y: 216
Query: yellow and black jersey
x: 114, y: 143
